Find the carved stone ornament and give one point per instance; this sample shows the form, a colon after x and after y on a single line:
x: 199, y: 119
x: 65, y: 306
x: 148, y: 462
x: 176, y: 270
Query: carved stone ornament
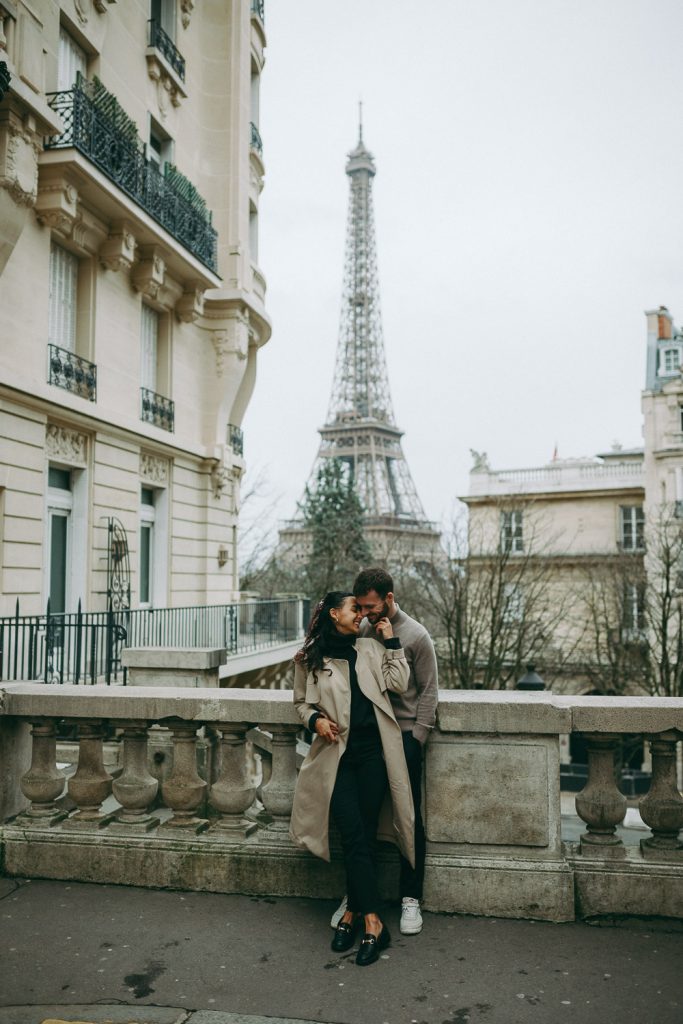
x: 168, y: 86
x: 65, y: 445
x: 148, y: 275
x: 82, y: 8
x: 19, y: 149
x: 190, y: 305
x: 154, y: 469
x: 229, y: 343
x: 220, y: 476
x: 186, y: 9
x: 118, y: 252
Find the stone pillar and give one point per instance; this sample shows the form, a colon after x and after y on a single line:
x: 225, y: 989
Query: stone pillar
x: 135, y: 789
x: 43, y: 783
x: 600, y: 804
x: 278, y: 792
x: 662, y: 807
x: 91, y: 784
x: 183, y: 791
x: 231, y: 793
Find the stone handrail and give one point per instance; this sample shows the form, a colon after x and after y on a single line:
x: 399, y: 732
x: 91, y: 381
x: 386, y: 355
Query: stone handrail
x: 181, y: 812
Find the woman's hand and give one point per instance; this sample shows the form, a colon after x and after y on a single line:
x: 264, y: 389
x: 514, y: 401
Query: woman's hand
x: 327, y: 729
x: 385, y: 629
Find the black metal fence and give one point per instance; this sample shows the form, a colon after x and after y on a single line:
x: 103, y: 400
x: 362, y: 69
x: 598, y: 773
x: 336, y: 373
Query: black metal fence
x: 165, y: 45
x: 85, y: 647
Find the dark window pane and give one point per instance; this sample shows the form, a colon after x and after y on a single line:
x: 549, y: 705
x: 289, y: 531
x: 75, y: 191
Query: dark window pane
x: 145, y: 551
x: 147, y: 496
x: 60, y: 478
x: 58, y: 535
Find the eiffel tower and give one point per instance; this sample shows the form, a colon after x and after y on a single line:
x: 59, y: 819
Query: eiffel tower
x: 360, y: 428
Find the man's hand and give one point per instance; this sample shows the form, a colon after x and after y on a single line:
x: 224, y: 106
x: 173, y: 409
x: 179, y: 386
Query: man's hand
x: 327, y: 729
x: 385, y: 629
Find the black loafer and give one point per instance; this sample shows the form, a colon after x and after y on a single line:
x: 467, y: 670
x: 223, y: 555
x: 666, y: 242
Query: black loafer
x: 344, y: 935
x: 371, y: 946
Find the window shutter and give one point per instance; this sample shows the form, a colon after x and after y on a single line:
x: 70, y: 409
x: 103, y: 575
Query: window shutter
x: 149, y: 332
x: 63, y: 293
x: 71, y: 60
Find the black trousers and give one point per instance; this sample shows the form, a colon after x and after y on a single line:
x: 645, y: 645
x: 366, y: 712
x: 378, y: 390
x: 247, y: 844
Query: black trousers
x: 356, y: 802
x: 412, y: 879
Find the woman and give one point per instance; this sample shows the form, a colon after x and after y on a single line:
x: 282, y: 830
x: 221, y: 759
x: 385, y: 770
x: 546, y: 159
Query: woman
x: 356, y: 759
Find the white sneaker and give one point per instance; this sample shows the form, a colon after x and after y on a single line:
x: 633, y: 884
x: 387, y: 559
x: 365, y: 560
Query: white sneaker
x: 411, y: 916
x: 339, y: 913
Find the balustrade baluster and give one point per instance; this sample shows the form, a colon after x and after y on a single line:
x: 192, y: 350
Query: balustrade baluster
x: 232, y: 793
x: 91, y: 784
x: 278, y: 792
x: 600, y: 804
x: 662, y: 807
x: 43, y: 783
x: 183, y: 791
x: 135, y: 789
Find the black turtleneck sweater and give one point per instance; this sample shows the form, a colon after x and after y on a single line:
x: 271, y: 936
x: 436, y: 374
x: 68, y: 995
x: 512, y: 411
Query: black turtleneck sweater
x: 342, y: 646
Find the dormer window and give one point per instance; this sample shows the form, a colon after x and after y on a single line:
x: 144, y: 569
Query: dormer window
x: 669, y: 360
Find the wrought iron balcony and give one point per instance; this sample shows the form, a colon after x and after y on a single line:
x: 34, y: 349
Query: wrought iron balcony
x: 162, y: 42
x: 255, y: 139
x: 236, y: 439
x: 156, y: 409
x: 71, y: 372
x: 97, y: 127
x: 258, y: 8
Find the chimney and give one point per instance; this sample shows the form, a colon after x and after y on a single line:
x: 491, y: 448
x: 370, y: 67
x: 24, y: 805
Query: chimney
x: 665, y: 328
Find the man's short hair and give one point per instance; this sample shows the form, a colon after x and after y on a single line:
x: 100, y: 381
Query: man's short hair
x: 375, y: 579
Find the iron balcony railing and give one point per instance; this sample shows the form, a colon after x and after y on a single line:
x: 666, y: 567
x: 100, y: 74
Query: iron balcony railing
x: 85, y: 647
x: 236, y: 439
x: 71, y: 372
x: 258, y: 7
x: 255, y: 139
x: 156, y: 409
x: 121, y: 157
x: 162, y: 42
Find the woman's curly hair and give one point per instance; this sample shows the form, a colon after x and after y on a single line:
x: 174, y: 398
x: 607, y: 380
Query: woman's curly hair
x: 321, y: 628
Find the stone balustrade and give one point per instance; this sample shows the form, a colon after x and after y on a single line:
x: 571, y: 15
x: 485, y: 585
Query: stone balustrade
x: 181, y: 813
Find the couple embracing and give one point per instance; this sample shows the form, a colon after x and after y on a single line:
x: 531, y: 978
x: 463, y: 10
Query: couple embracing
x: 365, y: 684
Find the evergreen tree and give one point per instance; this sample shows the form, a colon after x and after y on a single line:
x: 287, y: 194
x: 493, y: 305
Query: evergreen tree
x: 333, y: 513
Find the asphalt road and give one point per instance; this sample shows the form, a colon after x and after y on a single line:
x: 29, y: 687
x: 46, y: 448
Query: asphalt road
x: 116, y: 953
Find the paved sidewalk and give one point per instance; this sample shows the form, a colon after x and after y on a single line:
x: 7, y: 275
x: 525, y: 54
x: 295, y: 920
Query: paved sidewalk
x: 76, y: 952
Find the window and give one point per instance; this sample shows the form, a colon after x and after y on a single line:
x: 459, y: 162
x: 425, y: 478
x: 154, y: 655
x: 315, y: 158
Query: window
x: 253, y: 234
x: 511, y: 531
x: 153, y: 547
x: 71, y: 59
x: 149, y: 343
x: 634, y: 609
x: 513, y: 604
x: 680, y: 418
x: 147, y: 517
x: 60, y: 504
x: 669, y: 360
x: 163, y: 12
x: 63, y: 298
x: 632, y: 528
x: 160, y: 150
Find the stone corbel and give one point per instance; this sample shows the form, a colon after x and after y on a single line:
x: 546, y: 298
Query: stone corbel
x: 220, y: 477
x: 118, y: 251
x: 190, y: 305
x: 231, y: 341
x: 186, y: 9
x: 169, y: 87
x: 57, y: 205
x: 149, y: 274
x: 88, y: 233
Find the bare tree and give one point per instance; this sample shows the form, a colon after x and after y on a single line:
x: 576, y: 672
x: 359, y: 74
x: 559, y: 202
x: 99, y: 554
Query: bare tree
x: 633, y: 608
x: 491, y: 598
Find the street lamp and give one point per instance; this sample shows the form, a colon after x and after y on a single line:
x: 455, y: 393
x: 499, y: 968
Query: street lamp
x: 530, y: 680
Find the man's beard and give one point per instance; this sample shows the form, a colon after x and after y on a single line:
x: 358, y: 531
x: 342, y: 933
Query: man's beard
x: 374, y: 617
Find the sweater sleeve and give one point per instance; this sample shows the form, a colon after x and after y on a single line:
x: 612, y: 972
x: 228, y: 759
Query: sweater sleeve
x: 427, y: 683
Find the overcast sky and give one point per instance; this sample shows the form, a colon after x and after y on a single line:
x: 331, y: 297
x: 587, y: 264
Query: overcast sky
x: 528, y: 205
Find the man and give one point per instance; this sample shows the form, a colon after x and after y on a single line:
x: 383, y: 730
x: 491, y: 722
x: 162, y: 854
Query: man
x: 415, y: 712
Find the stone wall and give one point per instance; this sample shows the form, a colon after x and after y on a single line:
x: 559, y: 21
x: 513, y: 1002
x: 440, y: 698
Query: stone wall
x: 188, y: 817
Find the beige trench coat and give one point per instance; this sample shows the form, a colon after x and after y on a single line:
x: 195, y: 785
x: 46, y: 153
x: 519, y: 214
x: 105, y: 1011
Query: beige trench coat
x: 378, y: 670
